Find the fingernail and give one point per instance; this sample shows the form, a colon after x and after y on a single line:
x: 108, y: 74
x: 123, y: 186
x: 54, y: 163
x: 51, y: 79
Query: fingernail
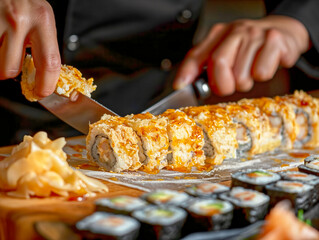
x: 182, y: 82
x: 74, y: 96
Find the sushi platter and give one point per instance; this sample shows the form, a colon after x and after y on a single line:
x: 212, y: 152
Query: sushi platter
x: 216, y: 170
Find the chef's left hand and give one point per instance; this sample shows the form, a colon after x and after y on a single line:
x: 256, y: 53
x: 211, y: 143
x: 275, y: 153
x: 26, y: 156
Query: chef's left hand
x: 241, y: 52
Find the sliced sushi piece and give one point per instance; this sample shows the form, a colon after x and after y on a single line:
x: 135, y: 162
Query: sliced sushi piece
x: 153, y: 140
x: 282, y: 119
x: 304, y: 178
x: 250, y: 205
x: 298, y: 193
x: 102, y: 225
x: 70, y: 80
x: 307, y: 116
x: 186, y: 142
x: 120, y: 204
x: 207, y: 190
x: 113, y: 145
x: 219, y: 132
x: 255, y: 179
x: 209, y: 215
x: 311, y: 165
x: 160, y: 222
x: 167, y: 197
x: 258, y: 134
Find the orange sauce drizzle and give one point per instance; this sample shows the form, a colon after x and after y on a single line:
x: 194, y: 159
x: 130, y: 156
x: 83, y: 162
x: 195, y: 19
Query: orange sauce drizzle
x: 299, y: 155
x: 284, y: 165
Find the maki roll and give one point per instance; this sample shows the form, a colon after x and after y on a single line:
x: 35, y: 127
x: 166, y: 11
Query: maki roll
x: 304, y: 178
x: 250, y: 205
x: 299, y: 194
x: 153, y: 140
x: 254, y: 133
x: 311, y: 165
x: 186, y: 141
x: 306, y: 117
x: 160, y: 222
x: 219, y: 132
x: 207, y: 190
x: 167, y: 197
x: 208, y: 215
x: 255, y: 179
x: 102, y: 225
x: 114, y: 145
x: 120, y: 204
x: 281, y: 118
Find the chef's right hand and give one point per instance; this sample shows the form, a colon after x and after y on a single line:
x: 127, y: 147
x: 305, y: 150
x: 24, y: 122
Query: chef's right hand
x: 29, y: 23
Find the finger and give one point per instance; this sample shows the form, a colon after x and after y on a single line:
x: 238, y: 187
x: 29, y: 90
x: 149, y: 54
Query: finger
x: 268, y: 58
x: 11, y: 55
x: 197, y: 57
x: 220, y: 66
x: 244, y: 60
x: 46, y: 57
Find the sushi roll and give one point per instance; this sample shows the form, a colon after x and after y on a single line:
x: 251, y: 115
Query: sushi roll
x: 281, y: 118
x: 209, y: 215
x: 207, y: 190
x: 249, y: 205
x: 120, y: 204
x: 306, y: 117
x: 299, y: 194
x: 254, y: 133
x: 304, y: 178
x: 255, y: 179
x: 153, y: 140
x: 114, y: 145
x: 219, y: 132
x: 102, y: 225
x: 186, y: 141
x: 160, y: 222
x: 167, y: 197
x: 311, y: 165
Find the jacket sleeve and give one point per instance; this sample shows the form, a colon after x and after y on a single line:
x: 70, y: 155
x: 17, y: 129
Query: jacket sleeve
x: 307, y: 12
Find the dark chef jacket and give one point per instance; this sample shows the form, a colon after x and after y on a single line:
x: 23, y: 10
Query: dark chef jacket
x: 131, y: 48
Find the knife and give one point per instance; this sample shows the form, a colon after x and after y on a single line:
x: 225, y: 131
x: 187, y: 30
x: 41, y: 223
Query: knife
x: 187, y: 96
x: 84, y: 110
x: 79, y: 113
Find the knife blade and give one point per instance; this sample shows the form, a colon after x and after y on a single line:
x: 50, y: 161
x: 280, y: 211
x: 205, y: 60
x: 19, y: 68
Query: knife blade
x: 79, y: 113
x: 185, y: 97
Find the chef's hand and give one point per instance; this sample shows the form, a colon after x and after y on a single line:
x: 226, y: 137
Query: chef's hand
x: 240, y: 52
x: 29, y: 23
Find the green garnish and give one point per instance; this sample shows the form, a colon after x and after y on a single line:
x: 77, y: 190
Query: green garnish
x: 216, y: 205
x: 163, y: 213
x: 300, y: 216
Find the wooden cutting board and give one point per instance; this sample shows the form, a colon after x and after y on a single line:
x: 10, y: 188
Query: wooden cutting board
x: 17, y: 216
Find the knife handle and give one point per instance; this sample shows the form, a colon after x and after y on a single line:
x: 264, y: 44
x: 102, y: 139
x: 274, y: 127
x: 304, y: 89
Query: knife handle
x: 201, y: 87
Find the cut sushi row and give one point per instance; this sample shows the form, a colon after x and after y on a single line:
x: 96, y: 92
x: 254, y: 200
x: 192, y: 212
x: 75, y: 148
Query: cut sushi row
x: 204, y: 136
x: 169, y: 214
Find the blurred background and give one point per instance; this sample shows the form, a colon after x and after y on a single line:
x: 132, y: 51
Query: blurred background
x: 19, y: 117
